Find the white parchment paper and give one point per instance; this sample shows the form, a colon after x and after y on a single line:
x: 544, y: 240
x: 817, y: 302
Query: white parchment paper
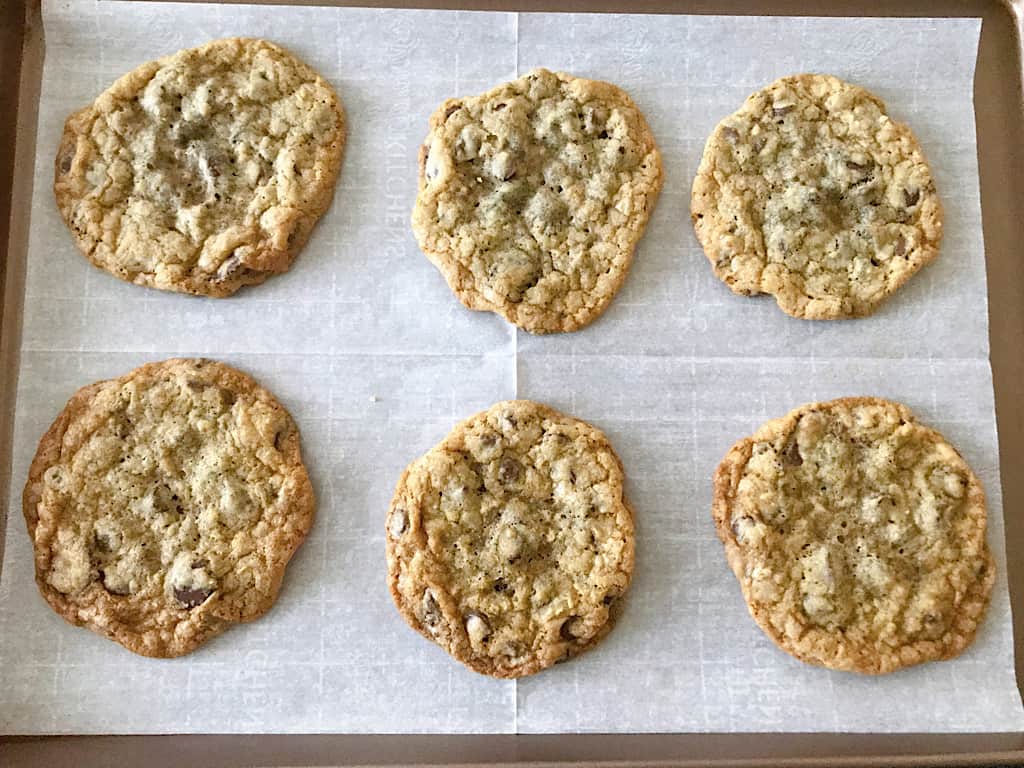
x: 376, y: 359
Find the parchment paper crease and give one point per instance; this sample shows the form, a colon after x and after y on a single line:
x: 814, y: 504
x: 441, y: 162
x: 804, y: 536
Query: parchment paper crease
x: 365, y: 344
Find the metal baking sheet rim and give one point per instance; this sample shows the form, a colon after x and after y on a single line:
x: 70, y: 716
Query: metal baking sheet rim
x: 999, y: 109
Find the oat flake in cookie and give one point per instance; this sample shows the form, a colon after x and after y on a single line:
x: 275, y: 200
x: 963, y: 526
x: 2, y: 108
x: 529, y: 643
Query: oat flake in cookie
x: 203, y: 171
x: 164, y: 506
x: 509, y: 544
x: 857, y: 535
x: 533, y: 196
x: 812, y: 193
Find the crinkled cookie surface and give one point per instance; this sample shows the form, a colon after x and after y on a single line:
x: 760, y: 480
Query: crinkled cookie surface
x: 857, y: 535
x: 812, y: 193
x: 509, y: 544
x: 203, y: 171
x: 534, y: 195
x: 165, y: 505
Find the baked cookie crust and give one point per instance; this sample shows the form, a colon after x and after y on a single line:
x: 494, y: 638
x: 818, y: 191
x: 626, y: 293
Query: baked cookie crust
x: 810, y: 192
x: 857, y: 535
x: 164, y: 505
x: 202, y: 171
x: 533, y: 196
x: 509, y: 544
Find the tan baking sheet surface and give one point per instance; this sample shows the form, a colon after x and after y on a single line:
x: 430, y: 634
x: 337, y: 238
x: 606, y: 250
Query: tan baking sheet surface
x: 375, y: 358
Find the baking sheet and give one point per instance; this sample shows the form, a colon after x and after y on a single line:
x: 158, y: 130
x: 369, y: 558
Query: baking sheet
x: 381, y: 360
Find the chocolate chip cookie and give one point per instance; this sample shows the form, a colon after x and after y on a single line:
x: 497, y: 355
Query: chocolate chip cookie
x: 812, y: 193
x: 533, y: 196
x: 857, y: 535
x: 164, y: 506
x: 203, y: 171
x: 509, y: 544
